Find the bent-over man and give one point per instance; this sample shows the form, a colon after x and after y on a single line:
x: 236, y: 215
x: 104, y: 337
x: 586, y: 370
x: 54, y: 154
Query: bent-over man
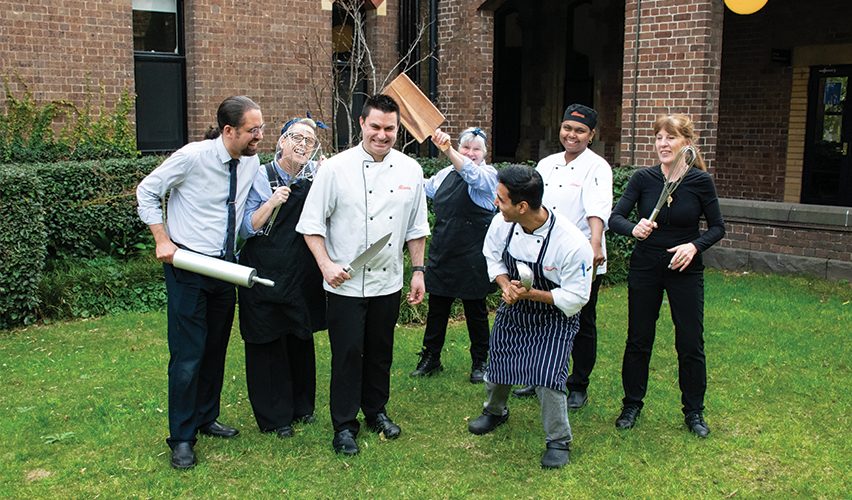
x: 533, y: 329
x: 208, y: 183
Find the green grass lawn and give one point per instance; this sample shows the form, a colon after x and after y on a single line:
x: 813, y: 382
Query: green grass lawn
x: 83, y: 414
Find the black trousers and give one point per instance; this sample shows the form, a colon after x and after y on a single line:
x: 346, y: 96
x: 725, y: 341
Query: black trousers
x: 649, y: 276
x: 360, y: 330
x: 282, y: 380
x: 585, y: 351
x: 200, y: 315
x: 476, y: 316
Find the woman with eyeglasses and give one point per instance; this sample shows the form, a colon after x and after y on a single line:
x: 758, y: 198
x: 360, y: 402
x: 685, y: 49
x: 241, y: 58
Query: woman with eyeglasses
x: 278, y: 323
x: 463, y: 201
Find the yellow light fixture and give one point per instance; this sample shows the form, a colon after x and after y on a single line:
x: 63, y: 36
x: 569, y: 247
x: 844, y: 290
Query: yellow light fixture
x: 745, y: 7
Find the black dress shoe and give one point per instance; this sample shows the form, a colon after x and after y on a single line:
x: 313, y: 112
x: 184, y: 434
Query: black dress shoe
x: 284, y: 431
x: 219, y: 430
x: 344, y: 442
x: 695, y: 421
x: 627, y: 419
x: 487, y: 422
x: 383, y: 424
x: 557, y: 455
x: 304, y: 419
x: 477, y: 372
x: 525, y: 392
x: 183, y: 457
x: 428, y: 365
x: 577, y: 400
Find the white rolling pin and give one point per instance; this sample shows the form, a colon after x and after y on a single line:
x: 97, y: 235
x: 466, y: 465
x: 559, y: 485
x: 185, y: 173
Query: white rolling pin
x: 219, y: 269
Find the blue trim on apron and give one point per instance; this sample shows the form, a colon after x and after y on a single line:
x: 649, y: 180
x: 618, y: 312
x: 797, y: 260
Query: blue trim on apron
x: 531, y: 341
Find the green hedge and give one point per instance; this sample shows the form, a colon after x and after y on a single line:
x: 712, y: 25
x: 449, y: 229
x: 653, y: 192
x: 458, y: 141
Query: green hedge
x: 80, y: 218
x: 22, y: 244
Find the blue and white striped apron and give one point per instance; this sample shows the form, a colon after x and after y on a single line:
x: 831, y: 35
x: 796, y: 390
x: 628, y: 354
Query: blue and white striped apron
x: 531, y: 341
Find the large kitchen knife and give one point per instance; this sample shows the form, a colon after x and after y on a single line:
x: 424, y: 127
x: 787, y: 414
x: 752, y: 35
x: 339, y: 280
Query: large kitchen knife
x: 368, y: 254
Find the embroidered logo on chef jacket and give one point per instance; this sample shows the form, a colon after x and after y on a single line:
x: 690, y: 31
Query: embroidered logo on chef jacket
x: 404, y: 187
x: 549, y: 268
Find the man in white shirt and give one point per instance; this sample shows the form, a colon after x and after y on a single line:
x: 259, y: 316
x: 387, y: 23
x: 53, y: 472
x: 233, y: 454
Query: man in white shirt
x: 358, y: 197
x: 534, y: 329
x: 208, y: 183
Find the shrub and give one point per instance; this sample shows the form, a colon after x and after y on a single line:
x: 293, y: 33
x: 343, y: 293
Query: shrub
x: 22, y: 245
x: 618, y: 247
x: 27, y: 128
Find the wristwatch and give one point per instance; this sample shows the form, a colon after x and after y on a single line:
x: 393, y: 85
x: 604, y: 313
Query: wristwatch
x: 422, y: 269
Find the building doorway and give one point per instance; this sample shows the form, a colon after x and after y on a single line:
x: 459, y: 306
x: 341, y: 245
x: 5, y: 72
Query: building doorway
x: 827, y: 171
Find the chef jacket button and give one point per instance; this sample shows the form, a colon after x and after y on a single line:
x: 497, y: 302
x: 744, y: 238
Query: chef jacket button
x: 560, y: 185
x: 391, y: 190
x: 384, y: 269
x: 538, y: 241
x: 368, y: 269
x: 391, y: 217
x: 546, y: 184
x: 370, y: 191
x: 371, y: 218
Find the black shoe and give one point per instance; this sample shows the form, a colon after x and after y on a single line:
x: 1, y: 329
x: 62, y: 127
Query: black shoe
x: 477, y: 372
x: 695, y: 421
x: 487, y: 422
x: 344, y: 442
x: 627, y: 419
x: 557, y: 455
x: 383, y: 424
x: 577, y: 400
x: 304, y: 419
x: 284, y: 431
x: 214, y: 428
x: 429, y: 364
x: 524, y: 392
x: 183, y: 457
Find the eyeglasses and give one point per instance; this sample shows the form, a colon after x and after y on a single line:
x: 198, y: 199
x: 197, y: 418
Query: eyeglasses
x: 256, y: 131
x: 298, y: 138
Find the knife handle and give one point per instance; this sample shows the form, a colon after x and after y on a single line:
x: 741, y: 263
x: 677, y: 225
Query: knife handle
x: 348, y: 269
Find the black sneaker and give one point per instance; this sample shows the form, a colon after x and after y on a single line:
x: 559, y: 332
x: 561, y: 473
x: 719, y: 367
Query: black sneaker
x: 429, y: 364
x: 627, y: 419
x: 477, y: 372
x: 695, y: 421
x: 487, y: 422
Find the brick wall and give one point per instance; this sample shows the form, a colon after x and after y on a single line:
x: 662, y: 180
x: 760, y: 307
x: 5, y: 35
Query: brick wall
x: 755, y: 100
x: 53, y: 45
x: 278, y: 55
x: 465, y: 59
x: 822, y: 243
x: 678, y: 72
x: 382, y: 37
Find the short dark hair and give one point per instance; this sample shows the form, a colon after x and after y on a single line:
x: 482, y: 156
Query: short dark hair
x: 232, y: 111
x: 523, y: 183
x: 382, y: 102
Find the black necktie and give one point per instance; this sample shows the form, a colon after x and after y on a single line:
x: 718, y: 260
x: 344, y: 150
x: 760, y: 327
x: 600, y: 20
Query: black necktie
x: 232, y: 211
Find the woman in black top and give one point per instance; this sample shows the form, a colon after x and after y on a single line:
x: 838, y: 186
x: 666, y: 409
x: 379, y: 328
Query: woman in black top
x: 668, y: 257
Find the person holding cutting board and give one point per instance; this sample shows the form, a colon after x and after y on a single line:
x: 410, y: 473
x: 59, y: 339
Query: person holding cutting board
x: 463, y: 200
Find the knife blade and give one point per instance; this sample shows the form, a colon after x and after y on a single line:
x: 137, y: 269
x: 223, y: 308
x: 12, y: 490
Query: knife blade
x: 368, y: 254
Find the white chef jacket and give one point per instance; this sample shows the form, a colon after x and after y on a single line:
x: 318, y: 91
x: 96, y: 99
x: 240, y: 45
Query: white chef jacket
x: 354, y: 202
x: 578, y: 190
x: 567, y: 261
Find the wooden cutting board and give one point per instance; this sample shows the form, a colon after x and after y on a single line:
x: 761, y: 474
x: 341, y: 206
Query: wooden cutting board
x: 416, y: 112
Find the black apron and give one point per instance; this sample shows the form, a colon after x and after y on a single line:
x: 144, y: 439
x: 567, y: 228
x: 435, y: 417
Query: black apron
x: 456, y: 266
x: 531, y: 341
x: 296, y: 304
